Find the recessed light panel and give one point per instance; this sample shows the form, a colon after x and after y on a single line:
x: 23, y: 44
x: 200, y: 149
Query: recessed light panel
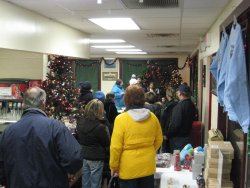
x: 124, y: 46
x: 131, y: 52
x: 115, y: 23
x: 123, y: 50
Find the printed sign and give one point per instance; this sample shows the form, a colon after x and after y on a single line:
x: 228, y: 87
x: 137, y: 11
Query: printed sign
x: 5, y: 91
x: 109, y: 76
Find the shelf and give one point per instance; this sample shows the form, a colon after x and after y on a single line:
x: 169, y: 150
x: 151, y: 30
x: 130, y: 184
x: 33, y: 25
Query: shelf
x: 11, y: 100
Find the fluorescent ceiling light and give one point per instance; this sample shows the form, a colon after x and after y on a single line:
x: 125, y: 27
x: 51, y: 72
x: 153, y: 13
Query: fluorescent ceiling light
x: 124, y: 50
x: 106, y: 41
x: 131, y: 52
x: 99, y: 1
x: 124, y: 46
x: 115, y: 23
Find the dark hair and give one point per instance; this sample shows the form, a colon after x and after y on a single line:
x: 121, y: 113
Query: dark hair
x: 85, y: 86
x: 134, y: 96
x: 140, y: 76
x: 110, y: 95
x: 118, y: 82
x: 34, y: 98
x: 150, y: 97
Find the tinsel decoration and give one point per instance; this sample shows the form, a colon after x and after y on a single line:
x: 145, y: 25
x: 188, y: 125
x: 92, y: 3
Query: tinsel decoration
x: 60, y: 88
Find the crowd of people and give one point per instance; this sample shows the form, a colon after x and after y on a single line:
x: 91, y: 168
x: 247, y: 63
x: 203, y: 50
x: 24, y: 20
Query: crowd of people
x: 38, y: 151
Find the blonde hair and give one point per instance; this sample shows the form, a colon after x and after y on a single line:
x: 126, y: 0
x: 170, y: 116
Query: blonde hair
x: 94, y: 110
x: 170, y: 92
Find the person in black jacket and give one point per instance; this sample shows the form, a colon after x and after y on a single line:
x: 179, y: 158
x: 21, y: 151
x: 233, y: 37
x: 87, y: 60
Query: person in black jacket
x: 86, y: 94
x: 94, y: 139
x: 110, y: 108
x: 150, y: 103
x: 183, y: 115
x: 166, y: 115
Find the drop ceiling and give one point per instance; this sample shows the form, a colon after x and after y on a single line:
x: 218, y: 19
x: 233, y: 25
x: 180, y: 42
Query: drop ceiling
x: 165, y: 28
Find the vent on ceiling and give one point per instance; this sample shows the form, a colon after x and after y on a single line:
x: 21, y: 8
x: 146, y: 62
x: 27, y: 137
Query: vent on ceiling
x: 144, y: 4
x: 169, y: 35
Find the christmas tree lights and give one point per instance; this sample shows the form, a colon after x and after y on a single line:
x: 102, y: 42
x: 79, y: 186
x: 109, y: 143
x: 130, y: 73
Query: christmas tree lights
x: 60, y: 88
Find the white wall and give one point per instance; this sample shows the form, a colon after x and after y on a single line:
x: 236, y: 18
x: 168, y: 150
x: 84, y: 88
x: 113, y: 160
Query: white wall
x: 106, y: 86
x: 214, y: 112
x: 205, y: 96
x: 24, y: 30
x: 22, y: 65
x: 214, y: 33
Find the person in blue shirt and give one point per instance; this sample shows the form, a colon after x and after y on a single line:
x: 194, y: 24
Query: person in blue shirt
x: 118, y: 90
x: 38, y: 151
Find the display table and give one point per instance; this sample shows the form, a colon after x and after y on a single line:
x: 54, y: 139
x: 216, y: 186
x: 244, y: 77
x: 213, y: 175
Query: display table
x: 169, y: 178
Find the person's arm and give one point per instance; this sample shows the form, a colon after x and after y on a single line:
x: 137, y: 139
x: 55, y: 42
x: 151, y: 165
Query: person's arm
x: 68, y: 149
x: 104, y: 135
x: 158, y: 135
x: 175, y: 122
x: 116, y: 146
x: 2, y: 173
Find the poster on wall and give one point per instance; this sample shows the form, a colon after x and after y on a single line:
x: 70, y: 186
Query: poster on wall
x: 18, y: 90
x: 5, y: 91
x: 34, y: 83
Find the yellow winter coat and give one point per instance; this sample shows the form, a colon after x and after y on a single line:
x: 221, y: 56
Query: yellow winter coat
x: 136, y: 137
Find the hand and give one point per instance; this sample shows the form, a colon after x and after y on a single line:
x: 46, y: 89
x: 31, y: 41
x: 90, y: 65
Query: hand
x: 115, y: 173
x: 74, y: 177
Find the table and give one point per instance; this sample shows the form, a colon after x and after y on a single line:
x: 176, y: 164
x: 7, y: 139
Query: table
x: 178, y: 178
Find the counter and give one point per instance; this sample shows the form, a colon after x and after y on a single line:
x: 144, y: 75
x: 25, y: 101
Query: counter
x: 169, y: 178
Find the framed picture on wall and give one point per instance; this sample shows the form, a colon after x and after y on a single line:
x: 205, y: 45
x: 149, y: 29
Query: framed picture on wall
x: 214, y: 85
x: 109, y: 64
x: 204, y: 75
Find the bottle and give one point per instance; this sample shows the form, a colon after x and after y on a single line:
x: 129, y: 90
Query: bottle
x: 177, y: 164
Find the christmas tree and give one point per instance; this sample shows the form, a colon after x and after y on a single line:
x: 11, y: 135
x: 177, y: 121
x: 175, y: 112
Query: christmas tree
x: 60, y: 88
x: 163, y: 76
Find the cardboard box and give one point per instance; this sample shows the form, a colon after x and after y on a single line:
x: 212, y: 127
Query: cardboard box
x: 226, y: 149
x: 212, y: 182
x: 213, y: 163
x: 213, y: 173
x: 215, y: 135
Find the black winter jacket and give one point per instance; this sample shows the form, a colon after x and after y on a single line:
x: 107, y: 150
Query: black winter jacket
x: 93, y: 137
x: 183, y: 116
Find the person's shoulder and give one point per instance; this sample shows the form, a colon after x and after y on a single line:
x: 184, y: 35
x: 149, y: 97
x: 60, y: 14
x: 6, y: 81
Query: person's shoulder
x: 122, y: 115
x: 55, y: 123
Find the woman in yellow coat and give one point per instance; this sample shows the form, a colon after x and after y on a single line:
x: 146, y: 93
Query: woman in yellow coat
x: 136, y: 137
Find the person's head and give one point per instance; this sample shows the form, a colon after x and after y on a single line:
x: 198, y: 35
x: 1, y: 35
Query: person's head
x: 85, y: 86
x: 99, y: 95
x: 150, y: 97
x: 183, y: 92
x: 151, y: 85
x: 170, y: 93
x: 34, y: 97
x: 139, y: 79
x: 110, y: 96
x: 163, y: 100
x: 119, y: 82
x: 134, y: 96
x: 94, y: 110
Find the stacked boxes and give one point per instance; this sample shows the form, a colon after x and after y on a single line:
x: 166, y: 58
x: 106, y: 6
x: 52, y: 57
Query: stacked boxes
x: 197, y: 164
x: 218, y: 163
